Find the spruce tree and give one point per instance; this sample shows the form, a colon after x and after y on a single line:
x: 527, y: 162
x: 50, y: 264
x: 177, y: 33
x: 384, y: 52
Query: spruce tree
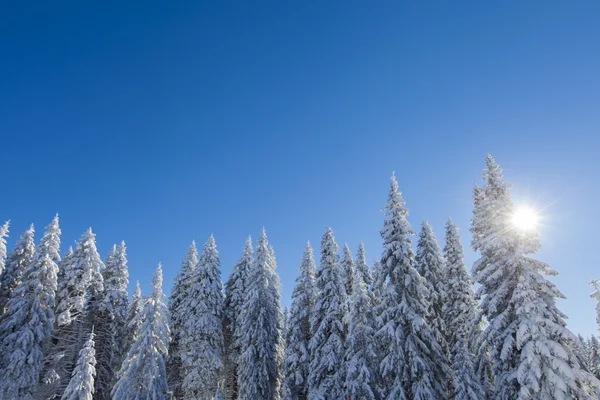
x: 81, y: 385
x: 133, y: 322
x: 27, y: 325
x: 296, y: 359
x: 327, y: 376
x: 178, y: 300
x: 531, y: 348
x: 202, y: 333
x: 413, y: 365
x: 363, y: 267
x: 235, y: 292
x: 258, y: 373
x: 285, y: 323
x: 3, y: 235
x: 347, y: 265
x: 143, y: 374
x: 583, y: 353
x: 430, y: 265
x: 361, y: 357
x: 459, y: 312
x: 108, y: 316
x: 15, y: 266
x: 81, y: 286
x: 594, y: 356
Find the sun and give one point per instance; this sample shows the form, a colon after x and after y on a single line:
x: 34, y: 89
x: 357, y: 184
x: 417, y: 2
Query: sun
x: 525, y: 218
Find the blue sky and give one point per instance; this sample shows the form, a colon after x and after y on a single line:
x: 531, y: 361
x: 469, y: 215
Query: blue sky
x: 161, y: 122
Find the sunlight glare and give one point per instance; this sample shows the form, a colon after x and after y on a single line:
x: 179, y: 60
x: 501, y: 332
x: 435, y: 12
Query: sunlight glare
x: 525, y: 218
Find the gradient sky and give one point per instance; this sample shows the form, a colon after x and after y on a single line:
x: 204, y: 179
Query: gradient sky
x: 161, y: 122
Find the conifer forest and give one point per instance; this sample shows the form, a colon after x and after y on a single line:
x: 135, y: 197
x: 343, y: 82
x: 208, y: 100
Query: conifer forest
x: 416, y: 324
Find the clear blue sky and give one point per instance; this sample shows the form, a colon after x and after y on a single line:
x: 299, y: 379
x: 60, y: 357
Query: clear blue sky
x: 161, y: 122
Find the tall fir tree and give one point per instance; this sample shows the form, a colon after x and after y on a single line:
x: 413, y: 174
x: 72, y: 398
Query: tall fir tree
x: 15, y: 266
x: 28, y: 323
x: 235, y: 292
x: 430, y: 265
x: 347, y: 265
x: 178, y: 300
x: 108, y: 316
x: 413, y: 366
x: 296, y: 359
x: 81, y: 284
x: 133, y: 322
x: 585, y: 353
x: 81, y: 385
x: 143, y: 373
x: 3, y: 235
x: 459, y: 312
x: 363, y: 267
x: 479, y: 344
x: 258, y: 373
x: 361, y: 356
x: 202, y: 333
x: 531, y: 348
x: 327, y: 376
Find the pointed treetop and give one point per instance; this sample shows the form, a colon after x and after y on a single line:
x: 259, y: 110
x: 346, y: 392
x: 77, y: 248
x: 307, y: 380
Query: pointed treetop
x: 157, y: 280
x: 347, y: 250
x: 211, y: 239
x: 50, y: 242
x: 192, y: 253
x: 361, y: 265
x: 395, y: 200
x: 493, y: 175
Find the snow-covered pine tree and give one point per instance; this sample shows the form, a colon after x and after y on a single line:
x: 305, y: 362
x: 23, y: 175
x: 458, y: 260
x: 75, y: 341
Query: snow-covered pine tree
x: 327, y: 377
x: 379, y: 280
x: 361, y: 357
x: 81, y: 385
x: 202, y: 333
x: 81, y: 283
x: 594, y: 356
x: 413, y: 366
x: 459, y: 311
x: 15, y: 266
x: 275, y: 287
x: 285, y: 324
x: 363, y: 267
x: 347, y: 265
x: 235, y: 292
x: 27, y: 325
x: 108, y: 316
x: 258, y: 372
x: 532, y: 350
x: 143, y: 374
x: 3, y: 235
x: 583, y: 353
x: 430, y: 265
x: 296, y: 358
x: 133, y: 320
x: 178, y: 301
